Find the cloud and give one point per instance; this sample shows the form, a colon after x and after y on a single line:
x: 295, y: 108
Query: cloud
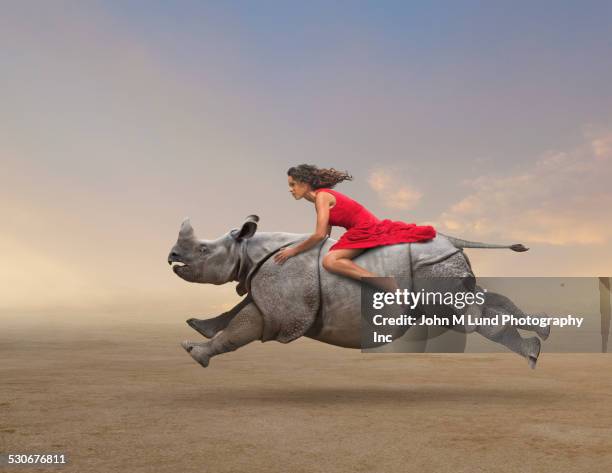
x: 563, y: 198
x: 393, y: 194
x: 602, y: 147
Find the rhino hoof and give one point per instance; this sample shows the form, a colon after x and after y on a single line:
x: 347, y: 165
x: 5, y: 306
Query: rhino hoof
x: 199, y: 354
x: 187, y: 345
x: 534, y: 352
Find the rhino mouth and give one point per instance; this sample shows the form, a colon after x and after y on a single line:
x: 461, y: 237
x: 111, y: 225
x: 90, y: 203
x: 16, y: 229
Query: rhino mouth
x: 175, y: 261
x: 178, y: 266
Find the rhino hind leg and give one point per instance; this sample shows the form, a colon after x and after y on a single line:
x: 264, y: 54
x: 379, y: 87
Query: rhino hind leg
x: 509, y: 337
x: 454, y: 274
x: 503, y: 305
x: 245, y: 327
x: 474, y: 310
x: 210, y: 327
x: 542, y: 332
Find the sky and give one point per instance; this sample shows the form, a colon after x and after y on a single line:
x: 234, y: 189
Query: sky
x: 490, y: 120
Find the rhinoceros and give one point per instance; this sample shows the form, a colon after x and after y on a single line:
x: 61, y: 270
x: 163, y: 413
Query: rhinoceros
x: 301, y: 298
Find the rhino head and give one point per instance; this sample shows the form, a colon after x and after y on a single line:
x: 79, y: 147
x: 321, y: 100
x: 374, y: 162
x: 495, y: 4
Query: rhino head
x: 211, y: 261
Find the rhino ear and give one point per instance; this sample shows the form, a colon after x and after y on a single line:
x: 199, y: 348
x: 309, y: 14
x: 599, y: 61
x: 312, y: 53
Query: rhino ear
x: 186, y: 232
x: 249, y: 227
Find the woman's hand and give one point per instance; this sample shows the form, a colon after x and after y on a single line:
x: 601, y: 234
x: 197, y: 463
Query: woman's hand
x: 284, y: 254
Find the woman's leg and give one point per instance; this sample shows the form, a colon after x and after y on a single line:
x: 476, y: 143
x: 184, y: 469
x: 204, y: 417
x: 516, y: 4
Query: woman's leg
x: 340, y: 262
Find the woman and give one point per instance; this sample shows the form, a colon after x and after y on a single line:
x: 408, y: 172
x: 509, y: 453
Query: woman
x: 364, y: 230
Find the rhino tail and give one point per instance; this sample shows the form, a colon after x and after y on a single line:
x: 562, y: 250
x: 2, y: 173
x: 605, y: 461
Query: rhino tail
x: 459, y: 243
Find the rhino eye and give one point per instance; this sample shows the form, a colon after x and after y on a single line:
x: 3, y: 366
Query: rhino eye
x: 203, y: 249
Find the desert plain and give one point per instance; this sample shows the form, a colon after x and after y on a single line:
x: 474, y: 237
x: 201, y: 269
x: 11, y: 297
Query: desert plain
x: 124, y: 396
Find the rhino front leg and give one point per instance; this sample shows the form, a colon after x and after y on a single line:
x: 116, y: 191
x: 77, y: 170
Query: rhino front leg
x: 210, y: 327
x: 245, y: 327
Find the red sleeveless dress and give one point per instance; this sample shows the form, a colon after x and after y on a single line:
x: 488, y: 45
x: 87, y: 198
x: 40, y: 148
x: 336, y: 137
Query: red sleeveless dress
x: 364, y: 230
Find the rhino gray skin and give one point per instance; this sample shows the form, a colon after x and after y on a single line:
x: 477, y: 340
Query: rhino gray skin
x: 300, y: 298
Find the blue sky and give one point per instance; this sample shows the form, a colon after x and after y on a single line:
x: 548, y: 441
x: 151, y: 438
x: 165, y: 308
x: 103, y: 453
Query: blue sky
x: 490, y: 120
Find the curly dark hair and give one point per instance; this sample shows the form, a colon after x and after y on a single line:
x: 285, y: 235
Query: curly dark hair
x: 318, y: 178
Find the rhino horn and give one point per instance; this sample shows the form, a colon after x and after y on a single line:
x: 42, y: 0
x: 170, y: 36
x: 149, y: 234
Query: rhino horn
x: 249, y: 227
x: 186, y: 232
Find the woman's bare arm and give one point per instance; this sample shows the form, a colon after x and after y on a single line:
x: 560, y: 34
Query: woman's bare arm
x: 322, y: 201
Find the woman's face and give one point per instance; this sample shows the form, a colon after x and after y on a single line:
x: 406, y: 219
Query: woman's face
x: 297, y: 188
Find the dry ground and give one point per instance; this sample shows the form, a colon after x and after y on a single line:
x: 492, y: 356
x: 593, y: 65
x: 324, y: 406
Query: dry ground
x: 127, y: 398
